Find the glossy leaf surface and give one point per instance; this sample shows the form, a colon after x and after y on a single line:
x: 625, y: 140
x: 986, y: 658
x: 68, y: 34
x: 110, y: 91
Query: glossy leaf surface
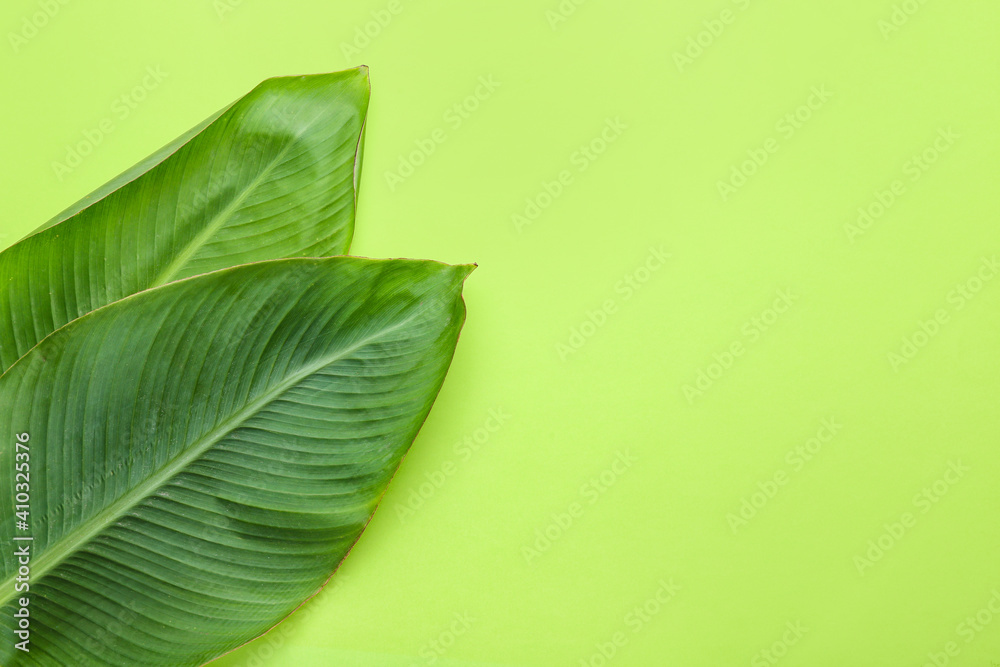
x: 204, y: 454
x: 272, y: 176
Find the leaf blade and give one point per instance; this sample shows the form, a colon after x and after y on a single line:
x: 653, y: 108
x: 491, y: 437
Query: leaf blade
x: 323, y: 382
x: 271, y: 176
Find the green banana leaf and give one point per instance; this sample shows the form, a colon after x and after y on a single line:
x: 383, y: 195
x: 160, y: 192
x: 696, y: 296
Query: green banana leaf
x: 204, y: 454
x: 274, y: 175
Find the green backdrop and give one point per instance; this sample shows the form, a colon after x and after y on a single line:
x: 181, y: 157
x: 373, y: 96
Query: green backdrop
x: 727, y: 391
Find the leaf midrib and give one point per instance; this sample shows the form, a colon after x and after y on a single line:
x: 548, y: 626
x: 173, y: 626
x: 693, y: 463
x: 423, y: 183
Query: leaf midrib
x: 74, y: 540
x: 220, y: 219
x: 170, y: 272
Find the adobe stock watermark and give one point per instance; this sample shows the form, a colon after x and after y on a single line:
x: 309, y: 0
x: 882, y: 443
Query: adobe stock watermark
x: 121, y: 108
x: 579, y: 161
x: 562, y: 12
x: 464, y: 450
x: 967, y: 630
x: 913, y: 170
x: 796, y: 459
x: 957, y: 299
x: 590, y: 493
x: 750, y: 332
x: 625, y: 289
x: 112, y: 631
x: 454, y: 117
x: 246, y: 150
x: 436, y: 648
x: 923, y: 502
x: 22, y: 542
x: 772, y: 655
x: 786, y: 127
x: 712, y: 29
x: 637, y: 618
x: 262, y: 649
x: 901, y: 14
x: 224, y: 7
x: 35, y: 22
x: 369, y: 31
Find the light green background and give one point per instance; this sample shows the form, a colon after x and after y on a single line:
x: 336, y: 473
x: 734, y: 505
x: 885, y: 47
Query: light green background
x: 855, y: 297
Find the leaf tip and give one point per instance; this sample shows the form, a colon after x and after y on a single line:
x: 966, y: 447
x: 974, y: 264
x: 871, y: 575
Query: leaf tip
x: 364, y: 76
x: 466, y: 269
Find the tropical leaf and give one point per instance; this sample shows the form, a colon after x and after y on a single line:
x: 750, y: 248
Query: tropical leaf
x: 274, y: 175
x: 204, y: 454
